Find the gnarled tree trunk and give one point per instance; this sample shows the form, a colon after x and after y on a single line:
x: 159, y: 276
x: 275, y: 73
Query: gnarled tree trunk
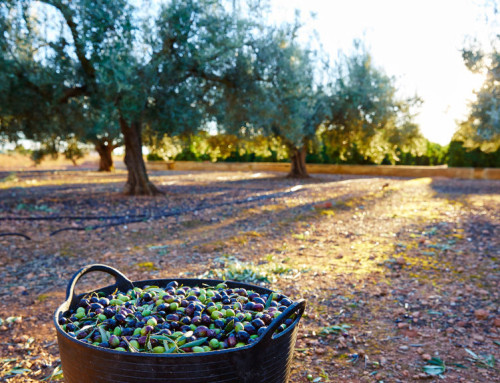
x: 105, y: 149
x: 137, y: 182
x: 298, y: 162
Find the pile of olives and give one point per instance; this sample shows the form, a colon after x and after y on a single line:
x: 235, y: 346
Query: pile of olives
x: 175, y: 319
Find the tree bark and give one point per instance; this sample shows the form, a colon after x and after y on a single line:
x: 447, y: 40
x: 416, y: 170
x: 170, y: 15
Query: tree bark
x: 105, y: 149
x: 298, y: 163
x: 137, y: 181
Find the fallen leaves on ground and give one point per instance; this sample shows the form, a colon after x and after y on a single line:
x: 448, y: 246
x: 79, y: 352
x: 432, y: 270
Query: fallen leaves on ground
x: 401, y: 275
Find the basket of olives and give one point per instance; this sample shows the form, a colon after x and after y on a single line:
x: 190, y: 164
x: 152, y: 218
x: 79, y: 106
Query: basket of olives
x: 176, y: 331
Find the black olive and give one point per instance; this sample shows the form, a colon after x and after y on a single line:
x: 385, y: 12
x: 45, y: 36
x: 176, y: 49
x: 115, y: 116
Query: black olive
x: 172, y: 317
x: 201, y: 331
x: 231, y: 340
x: 83, y: 303
x: 162, y: 307
x: 104, y: 301
x: 127, y: 331
x: 216, y: 298
x: 173, y: 284
x: 242, y: 336
x: 219, y: 323
x: 95, y: 306
x: 249, y: 328
x: 205, y: 319
x: 140, y: 323
x: 258, y: 323
x: 285, y: 302
x: 108, y: 312
x: 196, y: 320
x: 174, y: 325
x: 259, y: 300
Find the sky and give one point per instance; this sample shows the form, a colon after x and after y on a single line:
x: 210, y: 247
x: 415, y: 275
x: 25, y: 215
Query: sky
x: 417, y: 42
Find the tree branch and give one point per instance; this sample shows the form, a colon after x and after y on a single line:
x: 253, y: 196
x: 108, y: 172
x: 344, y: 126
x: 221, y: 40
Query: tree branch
x: 211, y: 77
x: 73, y: 92
x: 66, y: 12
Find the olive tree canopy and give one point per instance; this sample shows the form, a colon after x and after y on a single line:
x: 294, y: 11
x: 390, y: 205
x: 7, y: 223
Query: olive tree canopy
x: 96, y: 67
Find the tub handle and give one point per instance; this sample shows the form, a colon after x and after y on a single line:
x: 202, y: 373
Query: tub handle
x: 298, y: 307
x: 122, y: 282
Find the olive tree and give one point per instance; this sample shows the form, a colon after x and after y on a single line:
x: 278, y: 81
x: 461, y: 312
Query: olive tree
x: 366, y: 112
x: 276, y: 95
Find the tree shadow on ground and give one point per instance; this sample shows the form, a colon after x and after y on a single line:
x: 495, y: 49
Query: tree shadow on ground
x: 444, y: 186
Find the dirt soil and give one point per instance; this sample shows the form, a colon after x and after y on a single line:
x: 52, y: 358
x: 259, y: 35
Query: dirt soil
x: 395, y: 271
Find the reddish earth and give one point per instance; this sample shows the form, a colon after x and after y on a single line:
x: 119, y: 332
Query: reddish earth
x: 410, y: 265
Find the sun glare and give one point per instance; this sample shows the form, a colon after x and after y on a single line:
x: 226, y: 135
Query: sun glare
x: 419, y: 43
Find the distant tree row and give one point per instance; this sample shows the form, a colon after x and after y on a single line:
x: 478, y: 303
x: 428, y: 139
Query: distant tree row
x: 231, y: 148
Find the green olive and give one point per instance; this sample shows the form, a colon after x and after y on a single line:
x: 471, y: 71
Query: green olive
x: 216, y: 315
x: 152, y: 322
x: 214, y: 344
x: 134, y: 344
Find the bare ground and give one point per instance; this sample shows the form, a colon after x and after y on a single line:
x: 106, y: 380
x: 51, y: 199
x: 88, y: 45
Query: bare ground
x: 410, y: 265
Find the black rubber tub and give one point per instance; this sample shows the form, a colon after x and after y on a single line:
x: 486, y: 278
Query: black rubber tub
x: 265, y: 361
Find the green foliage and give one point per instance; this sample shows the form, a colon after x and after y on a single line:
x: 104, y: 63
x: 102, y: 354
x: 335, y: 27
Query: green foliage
x: 73, y: 151
x: 154, y: 157
x: 231, y: 148
x: 295, y: 106
x: 461, y: 156
x: 481, y: 129
x: 90, y: 69
x: 435, y: 366
x: 248, y: 272
x: 434, y: 154
x: 482, y: 360
x: 221, y: 147
x: 366, y: 115
x: 335, y: 329
x: 20, y: 149
x: 57, y: 374
x: 276, y: 94
x: 45, y: 89
x: 48, y: 147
